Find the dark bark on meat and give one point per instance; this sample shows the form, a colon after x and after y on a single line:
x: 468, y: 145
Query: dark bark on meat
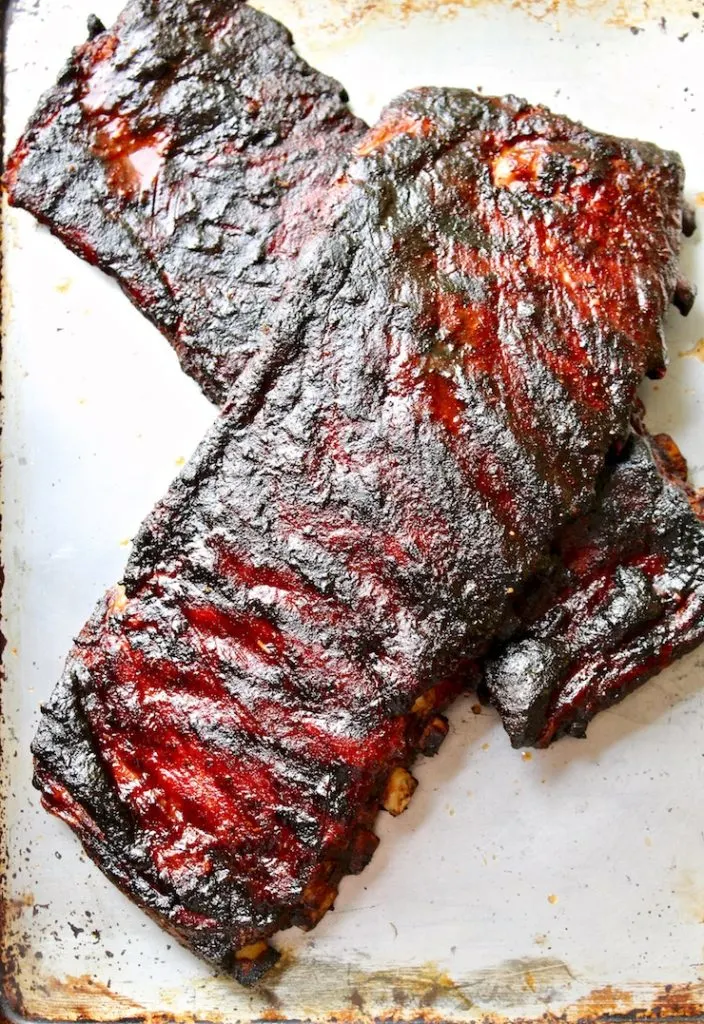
x: 623, y: 597
x: 689, y: 220
x: 186, y: 151
x: 94, y: 26
x: 247, y: 172
x: 107, y: 158
x: 486, y: 291
x: 685, y: 294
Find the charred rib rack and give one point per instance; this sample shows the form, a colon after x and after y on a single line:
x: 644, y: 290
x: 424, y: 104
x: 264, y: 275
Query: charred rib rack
x: 623, y: 597
x: 185, y: 151
x: 435, y: 404
x: 213, y: 200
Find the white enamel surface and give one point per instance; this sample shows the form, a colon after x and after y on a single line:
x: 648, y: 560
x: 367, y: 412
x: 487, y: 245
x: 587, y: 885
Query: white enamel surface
x: 97, y: 417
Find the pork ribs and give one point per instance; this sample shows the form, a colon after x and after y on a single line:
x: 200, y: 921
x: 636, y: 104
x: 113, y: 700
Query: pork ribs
x: 161, y: 184
x: 485, y: 291
x: 622, y: 597
x: 185, y: 152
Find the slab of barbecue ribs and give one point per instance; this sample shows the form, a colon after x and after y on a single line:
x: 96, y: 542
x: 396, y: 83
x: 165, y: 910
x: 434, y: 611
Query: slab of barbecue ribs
x: 200, y: 208
x: 484, y: 293
x: 185, y: 151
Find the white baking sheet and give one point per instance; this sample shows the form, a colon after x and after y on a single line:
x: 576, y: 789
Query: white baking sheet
x: 566, y: 880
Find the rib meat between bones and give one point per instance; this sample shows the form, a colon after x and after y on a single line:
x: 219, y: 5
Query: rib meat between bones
x: 186, y: 151
x: 486, y: 291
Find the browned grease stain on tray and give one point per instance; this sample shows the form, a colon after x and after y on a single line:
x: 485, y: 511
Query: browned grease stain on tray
x: 343, y: 995
x: 11, y: 911
x: 333, y: 17
x: 604, y: 1000
x: 423, y: 987
x: 697, y: 350
x: 321, y: 990
x: 679, y: 1001
x: 85, y: 997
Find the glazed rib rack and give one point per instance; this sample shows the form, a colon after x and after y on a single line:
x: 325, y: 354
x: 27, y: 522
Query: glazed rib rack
x: 431, y: 408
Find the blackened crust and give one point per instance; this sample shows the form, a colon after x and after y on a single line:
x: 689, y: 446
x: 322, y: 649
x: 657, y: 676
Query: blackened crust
x: 484, y: 292
x: 185, y: 152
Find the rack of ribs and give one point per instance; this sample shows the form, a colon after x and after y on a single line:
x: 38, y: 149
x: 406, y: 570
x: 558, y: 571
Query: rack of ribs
x: 185, y: 152
x: 484, y: 291
x: 219, y: 211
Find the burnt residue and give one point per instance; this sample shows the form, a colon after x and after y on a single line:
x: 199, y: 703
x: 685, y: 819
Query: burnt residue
x: 346, y: 992
x: 683, y: 1000
x: 436, y: 401
x: 14, y: 949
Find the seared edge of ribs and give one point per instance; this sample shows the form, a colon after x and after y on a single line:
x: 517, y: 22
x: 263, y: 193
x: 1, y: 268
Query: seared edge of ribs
x: 185, y: 151
x: 622, y: 598
x: 486, y: 290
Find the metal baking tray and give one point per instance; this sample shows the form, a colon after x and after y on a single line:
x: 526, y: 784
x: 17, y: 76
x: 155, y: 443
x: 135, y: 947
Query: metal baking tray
x: 568, y: 882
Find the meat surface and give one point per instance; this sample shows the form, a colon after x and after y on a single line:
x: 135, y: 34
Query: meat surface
x: 622, y: 597
x: 185, y: 152
x: 206, y: 181
x: 485, y: 291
